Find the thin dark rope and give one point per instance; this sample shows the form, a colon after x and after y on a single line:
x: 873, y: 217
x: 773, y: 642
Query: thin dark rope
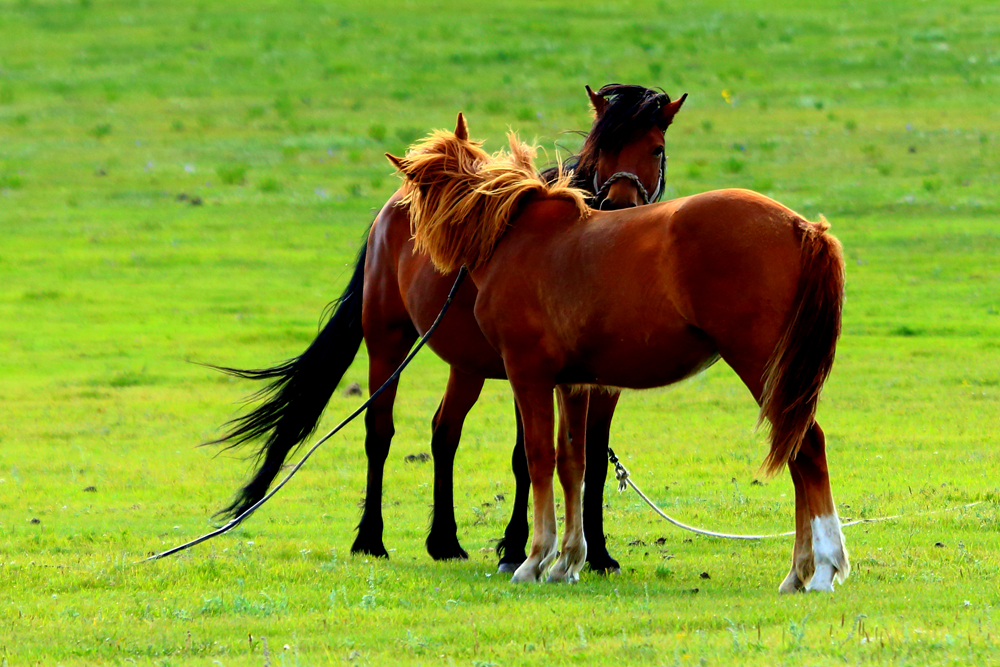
x: 364, y: 406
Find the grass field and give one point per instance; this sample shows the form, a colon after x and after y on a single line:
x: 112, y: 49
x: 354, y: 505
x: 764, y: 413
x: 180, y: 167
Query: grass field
x: 189, y: 182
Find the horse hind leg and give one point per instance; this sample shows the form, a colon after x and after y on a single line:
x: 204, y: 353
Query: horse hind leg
x: 819, y: 558
x: 386, y: 352
x: 830, y: 561
x: 571, y: 464
x: 459, y: 397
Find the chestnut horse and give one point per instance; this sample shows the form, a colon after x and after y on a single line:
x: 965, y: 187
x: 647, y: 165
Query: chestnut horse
x: 394, y: 296
x: 641, y: 297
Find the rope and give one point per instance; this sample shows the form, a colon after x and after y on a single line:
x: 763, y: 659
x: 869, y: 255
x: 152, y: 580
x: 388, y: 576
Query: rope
x: 625, y: 481
x: 364, y: 406
x: 602, y: 190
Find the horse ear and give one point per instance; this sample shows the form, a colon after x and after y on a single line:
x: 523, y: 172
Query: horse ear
x: 461, y: 128
x: 670, y: 109
x: 599, y: 103
x: 397, y: 162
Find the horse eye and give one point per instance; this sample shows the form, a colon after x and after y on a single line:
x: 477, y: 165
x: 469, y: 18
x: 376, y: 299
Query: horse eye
x: 658, y: 151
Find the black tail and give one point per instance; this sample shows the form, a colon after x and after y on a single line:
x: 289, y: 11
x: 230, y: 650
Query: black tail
x: 297, y: 393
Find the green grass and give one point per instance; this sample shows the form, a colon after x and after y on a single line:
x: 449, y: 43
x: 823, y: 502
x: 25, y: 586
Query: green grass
x: 190, y: 183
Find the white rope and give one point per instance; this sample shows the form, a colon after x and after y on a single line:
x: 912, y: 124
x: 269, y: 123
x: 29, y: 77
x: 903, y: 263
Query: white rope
x: 624, y: 481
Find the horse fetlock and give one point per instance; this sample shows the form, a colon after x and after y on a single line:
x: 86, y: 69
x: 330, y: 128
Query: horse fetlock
x: 830, y: 560
x: 537, y: 563
x: 568, y: 567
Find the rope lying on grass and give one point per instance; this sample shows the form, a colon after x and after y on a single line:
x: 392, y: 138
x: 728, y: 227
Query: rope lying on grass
x: 364, y: 406
x: 625, y: 481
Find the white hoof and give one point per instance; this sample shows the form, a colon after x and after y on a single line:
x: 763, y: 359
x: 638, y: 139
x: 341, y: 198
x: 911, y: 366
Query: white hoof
x: 791, y: 584
x: 562, y: 577
x: 822, y: 579
x: 561, y: 573
x: 534, y: 568
x: 527, y: 573
x: 570, y: 562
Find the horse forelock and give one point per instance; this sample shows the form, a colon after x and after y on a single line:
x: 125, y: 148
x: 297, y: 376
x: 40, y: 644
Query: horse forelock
x: 461, y: 199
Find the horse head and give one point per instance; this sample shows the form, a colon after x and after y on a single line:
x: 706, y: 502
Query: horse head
x: 623, y: 161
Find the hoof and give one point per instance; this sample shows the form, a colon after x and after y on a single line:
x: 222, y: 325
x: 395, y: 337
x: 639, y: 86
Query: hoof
x: 822, y: 580
x: 376, y: 549
x: 509, y: 566
x: 604, y: 566
x: 524, y: 574
x: 568, y: 565
x: 791, y: 584
x: 560, y: 575
x: 827, y: 588
x: 534, y: 568
x: 446, y: 550
x: 509, y: 562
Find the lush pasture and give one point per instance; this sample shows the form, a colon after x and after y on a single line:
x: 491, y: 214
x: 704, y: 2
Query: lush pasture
x: 185, y: 182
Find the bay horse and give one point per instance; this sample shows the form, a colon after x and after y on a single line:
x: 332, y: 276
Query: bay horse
x: 393, y: 297
x: 641, y: 297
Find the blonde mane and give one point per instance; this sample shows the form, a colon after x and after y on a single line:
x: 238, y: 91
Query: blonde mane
x: 461, y: 198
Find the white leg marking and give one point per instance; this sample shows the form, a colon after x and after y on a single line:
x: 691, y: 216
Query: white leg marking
x: 534, y: 568
x: 829, y: 554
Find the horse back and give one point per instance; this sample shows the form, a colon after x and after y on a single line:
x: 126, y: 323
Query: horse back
x: 644, y: 296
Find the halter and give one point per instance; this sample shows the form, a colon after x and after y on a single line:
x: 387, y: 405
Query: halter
x: 602, y: 190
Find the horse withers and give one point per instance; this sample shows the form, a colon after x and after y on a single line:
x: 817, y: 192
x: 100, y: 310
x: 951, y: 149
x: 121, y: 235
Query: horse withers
x: 641, y: 297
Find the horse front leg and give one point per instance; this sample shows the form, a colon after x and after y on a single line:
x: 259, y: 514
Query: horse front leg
x: 599, y: 414
x: 459, y: 397
x: 510, y: 549
x: 829, y: 561
x: 571, y: 464
x: 535, y: 403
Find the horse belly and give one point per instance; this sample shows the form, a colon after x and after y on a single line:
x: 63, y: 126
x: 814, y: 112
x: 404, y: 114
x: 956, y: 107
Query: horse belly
x: 646, y: 361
